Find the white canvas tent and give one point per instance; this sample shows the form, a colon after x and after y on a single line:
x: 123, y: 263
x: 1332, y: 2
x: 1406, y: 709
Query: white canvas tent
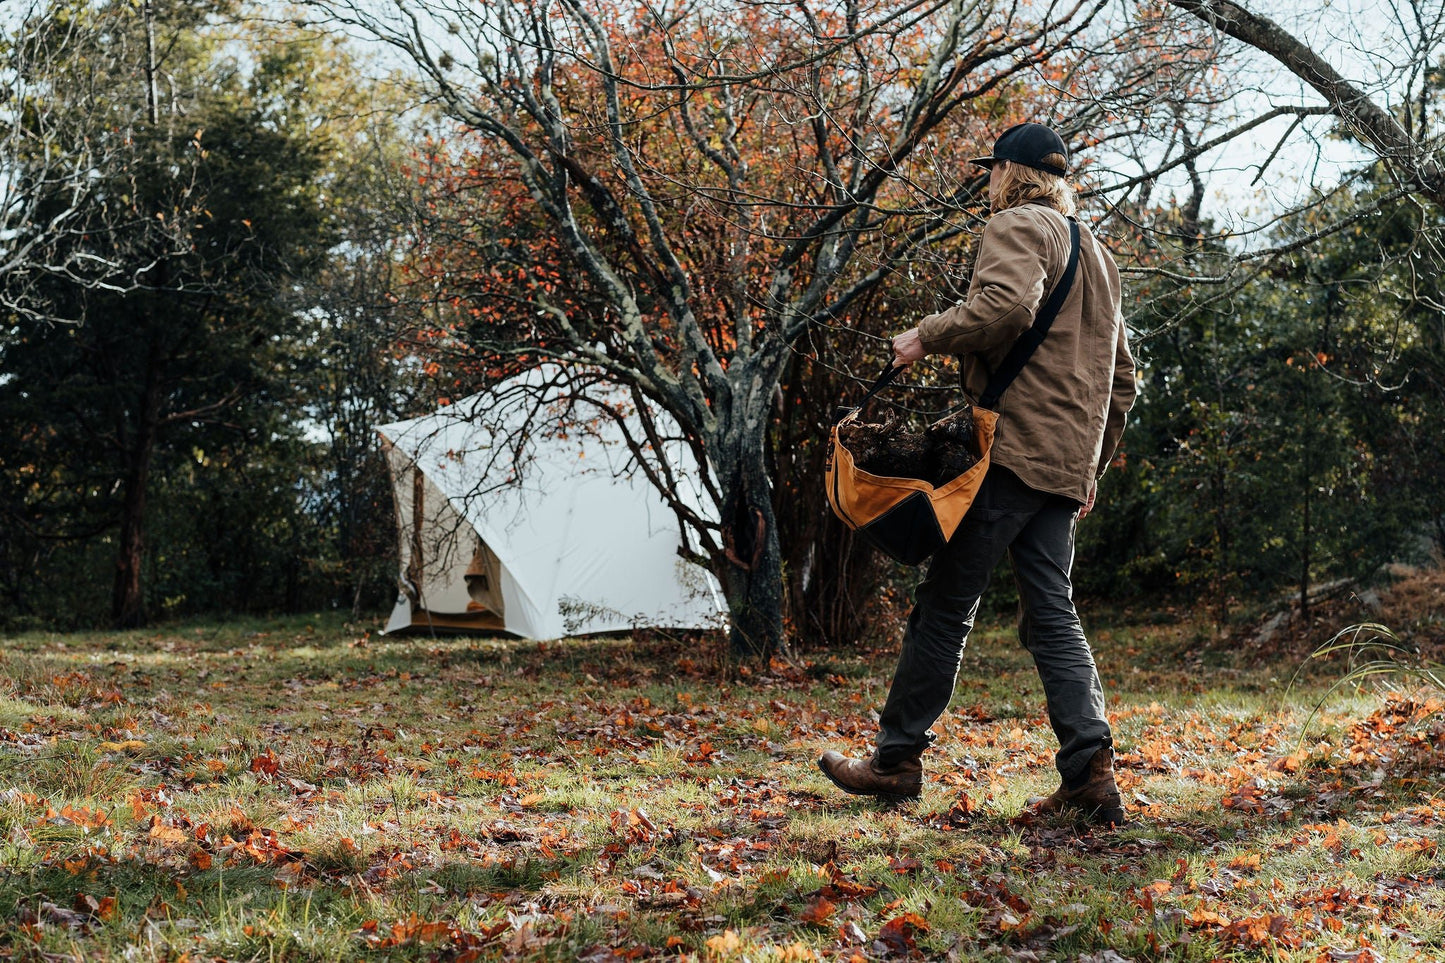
x: 517, y: 512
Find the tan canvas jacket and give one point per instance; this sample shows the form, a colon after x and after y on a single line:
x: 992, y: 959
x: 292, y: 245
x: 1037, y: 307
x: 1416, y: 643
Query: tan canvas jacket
x: 1061, y: 419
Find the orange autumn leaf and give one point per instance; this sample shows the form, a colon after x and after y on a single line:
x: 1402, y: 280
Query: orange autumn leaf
x: 1202, y: 917
x: 725, y: 943
x: 85, y: 817
x: 102, y: 908
x: 167, y: 835
x: 266, y: 763
x: 898, y: 934
x: 818, y: 912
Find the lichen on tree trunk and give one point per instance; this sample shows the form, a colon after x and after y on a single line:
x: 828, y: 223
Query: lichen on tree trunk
x: 750, y: 567
x: 753, y: 578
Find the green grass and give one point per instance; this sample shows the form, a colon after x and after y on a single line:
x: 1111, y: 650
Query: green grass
x: 302, y: 789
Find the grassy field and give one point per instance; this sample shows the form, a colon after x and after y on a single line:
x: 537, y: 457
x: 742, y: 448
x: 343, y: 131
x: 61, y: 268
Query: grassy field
x: 304, y: 789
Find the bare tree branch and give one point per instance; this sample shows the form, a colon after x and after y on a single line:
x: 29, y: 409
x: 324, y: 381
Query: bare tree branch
x: 1413, y: 162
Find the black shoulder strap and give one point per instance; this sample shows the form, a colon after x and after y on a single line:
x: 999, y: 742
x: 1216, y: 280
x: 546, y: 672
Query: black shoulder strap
x: 1024, y: 347
x: 884, y: 380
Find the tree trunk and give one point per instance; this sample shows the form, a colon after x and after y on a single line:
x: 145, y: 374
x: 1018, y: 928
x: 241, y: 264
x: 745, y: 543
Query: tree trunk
x: 127, y: 604
x: 1307, y: 486
x: 828, y: 585
x: 1304, y: 560
x: 127, y: 607
x: 752, y: 576
x: 1222, y: 570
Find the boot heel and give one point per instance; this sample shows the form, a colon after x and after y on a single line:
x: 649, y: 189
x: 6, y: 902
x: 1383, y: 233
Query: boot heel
x: 1112, y: 817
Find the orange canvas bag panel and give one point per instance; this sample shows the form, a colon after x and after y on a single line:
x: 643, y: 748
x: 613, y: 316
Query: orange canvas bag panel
x: 909, y: 519
x: 905, y: 518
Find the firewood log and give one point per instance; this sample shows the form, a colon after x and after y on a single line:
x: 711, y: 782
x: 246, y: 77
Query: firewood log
x: 952, y: 444
x: 937, y: 455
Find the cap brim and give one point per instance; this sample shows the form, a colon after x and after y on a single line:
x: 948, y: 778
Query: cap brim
x: 985, y: 162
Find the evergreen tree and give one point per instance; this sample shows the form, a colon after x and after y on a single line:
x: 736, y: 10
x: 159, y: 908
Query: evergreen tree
x: 169, y: 385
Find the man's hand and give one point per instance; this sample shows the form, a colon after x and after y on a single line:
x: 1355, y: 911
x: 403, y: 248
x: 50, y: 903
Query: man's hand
x: 907, y: 348
x: 1088, y: 505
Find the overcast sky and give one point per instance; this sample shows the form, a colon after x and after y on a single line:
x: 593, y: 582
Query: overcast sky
x: 1362, y: 38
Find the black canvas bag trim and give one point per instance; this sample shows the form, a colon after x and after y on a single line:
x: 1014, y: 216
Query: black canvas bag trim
x: 908, y: 531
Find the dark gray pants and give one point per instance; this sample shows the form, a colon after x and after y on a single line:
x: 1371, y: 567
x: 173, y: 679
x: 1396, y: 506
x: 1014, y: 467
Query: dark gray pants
x: 1036, y: 529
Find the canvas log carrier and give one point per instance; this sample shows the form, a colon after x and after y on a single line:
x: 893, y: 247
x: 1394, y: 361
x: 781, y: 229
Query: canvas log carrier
x: 910, y: 519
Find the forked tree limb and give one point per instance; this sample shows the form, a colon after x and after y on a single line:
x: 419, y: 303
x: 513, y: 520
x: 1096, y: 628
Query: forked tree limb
x: 1410, y: 161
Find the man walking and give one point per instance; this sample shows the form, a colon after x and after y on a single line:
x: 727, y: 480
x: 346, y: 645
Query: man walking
x: 1059, y: 424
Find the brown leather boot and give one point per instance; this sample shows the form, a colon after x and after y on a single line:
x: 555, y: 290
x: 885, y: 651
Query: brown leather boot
x: 864, y: 777
x: 1096, y: 801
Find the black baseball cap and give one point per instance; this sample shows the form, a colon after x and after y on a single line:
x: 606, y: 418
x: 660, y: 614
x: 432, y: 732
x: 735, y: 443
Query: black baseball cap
x: 1028, y: 144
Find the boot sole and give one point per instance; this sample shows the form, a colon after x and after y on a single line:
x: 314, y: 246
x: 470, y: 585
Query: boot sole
x: 888, y: 797
x: 1104, y: 818
x: 1109, y: 817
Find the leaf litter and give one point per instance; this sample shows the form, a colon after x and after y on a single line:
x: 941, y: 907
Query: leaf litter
x: 464, y: 799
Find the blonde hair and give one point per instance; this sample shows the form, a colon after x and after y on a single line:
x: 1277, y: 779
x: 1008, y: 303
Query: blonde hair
x: 1023, y: 185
